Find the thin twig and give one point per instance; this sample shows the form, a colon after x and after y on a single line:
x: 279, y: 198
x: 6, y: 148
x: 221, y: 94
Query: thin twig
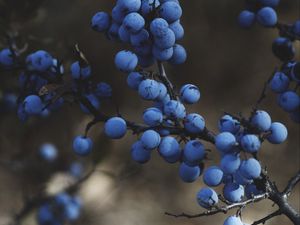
x: 292, y: 183
x: 268, y: 217
x: 223, y: 209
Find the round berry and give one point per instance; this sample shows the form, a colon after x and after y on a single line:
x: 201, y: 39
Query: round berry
x: 126, y: 61
x: 82, y: 145
x: 115, y: 127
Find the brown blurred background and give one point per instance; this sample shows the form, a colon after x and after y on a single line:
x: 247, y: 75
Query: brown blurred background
x: 229, y: 65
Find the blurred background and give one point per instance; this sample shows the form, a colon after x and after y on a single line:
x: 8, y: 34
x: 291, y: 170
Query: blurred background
x: 229, y: 65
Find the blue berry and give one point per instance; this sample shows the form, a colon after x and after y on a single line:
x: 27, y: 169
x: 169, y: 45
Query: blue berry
x: 240, y: 179
x: 71, y: 212
x: 82, y: 145
x: 149, y: 89
x: 159, y: 27
x: 261, y: 120
x: 162, y: 54
x: 189, y: 94
x: 118, y: 14
x: 139, y: 39
x: 115, y: 128
x: 225, y: 142
x: 124, y: 34
x: 33, y: 105
x: 250, y: 143
x: 130, y: 5
x: 166, y: 41
x: 188, y: 173
x: 278, y: 134
x: 134, y: 79
x: 207, y: 198
x: 230, y: 163
x: 152, y: 116
x: 100, y: 21
x: 289, y: 101
x: 134, y: 22
x: 44, y: 214
x: 163, y: 93
x: 126, y: 61
x: 39, y: 61
x: 170, y: 11
x: 149, y: 6
x: 179, y: 55
x: 250, y: 168
x: 103, y: 90
x: 280, y: 82
x: 178, y: 30
x: 169, y: 148
x: 267, y: 17
x: 233, y: 192
x: 79, y: 72
x: 48, y: 152
x: 139, y: 153
x: 228, y: 124
x: 6, y: 57
x: 233, y: 220
x: 194, y: 123
x: 213, y: 176
x: 193, y: 153
x: 175, y: 109
x: 150, y: 139
x: 246, y: 19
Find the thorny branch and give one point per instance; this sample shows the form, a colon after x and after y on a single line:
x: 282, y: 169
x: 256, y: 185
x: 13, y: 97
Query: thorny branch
x: 272, y: 193
x: 223, y: 209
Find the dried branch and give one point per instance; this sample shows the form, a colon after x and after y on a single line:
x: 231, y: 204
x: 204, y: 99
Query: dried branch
x: 164, y: 78
x: 223, y: 209
x: 268, y: 217
x: 292, y: 183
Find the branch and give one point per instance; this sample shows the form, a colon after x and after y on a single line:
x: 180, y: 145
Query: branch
x: 291, y: 184
x: 223, y: 209
x: 164, y: 78
x: 268, y: 217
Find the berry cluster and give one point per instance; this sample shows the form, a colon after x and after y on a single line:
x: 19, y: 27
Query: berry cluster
x: 59, y: 209
x: 261, y: 11
x: 283, y: 83
x: 44, y: 89
x: 286, y: 80
x: 162, y: 122
x: 63, y: 207
x: 237, y: 138
x: 151, y: 27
